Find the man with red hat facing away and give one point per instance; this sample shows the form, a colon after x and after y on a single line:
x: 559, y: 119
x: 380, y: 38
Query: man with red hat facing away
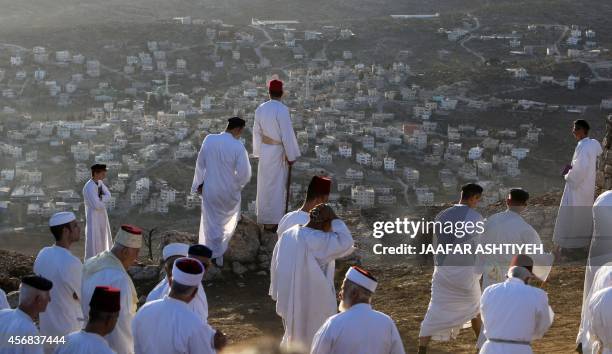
x: 104, y: 310
x: 513, y: 312
x: 275, y: 144
x: 110, y: 268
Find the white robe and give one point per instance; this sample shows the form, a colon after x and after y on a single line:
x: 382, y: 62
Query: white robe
x: 358, y: 330
x: 303, y: 273
x: 17, y: 323
x: 3, y: 300
x: 601, y: 308
x: 64, y: 314
x: 98, y: 236
x: 455, y: 287
x: 574, y: 223
x: 112, y: 274
x: 514, y: 311
x: 223, y: 168
x: 168, y: 326
x: 199, y: 304
x: 81, y: 342
x: 272, y: 119
x: 600, y: 251
x: 601, y: 280
x: 507, y: 227
x: 288, y: 221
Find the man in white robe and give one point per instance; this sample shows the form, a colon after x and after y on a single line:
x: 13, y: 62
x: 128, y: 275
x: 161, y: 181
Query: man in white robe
x: 506, y: 227
x: 275, y: 144
x: 3, y: 300
x: 168, y: 325
x: 317, y: 193
x: 574, y: 223
x: 600, y: 254
x: 304, y: 274
x: 455, y: 287
x: 358, y: 328
x: 98, y: 237
x: 601, y: 280
x: 222, y: 170
x: 104, y: 308
x: 110, y: 268
x: 601, y: 327
x: 64, y: 314
x: 199, y: 304
x: 513, y: 312
x: 33, y: 299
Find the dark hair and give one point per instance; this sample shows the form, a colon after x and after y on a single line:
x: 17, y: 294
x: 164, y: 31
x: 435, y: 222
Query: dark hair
x: 182, y: 289
x: 276, y: 94
x: 470, y: 190
x: 519, y: 195
x: 58, y: 230
x: 235, y: 122
x: 582, y: 124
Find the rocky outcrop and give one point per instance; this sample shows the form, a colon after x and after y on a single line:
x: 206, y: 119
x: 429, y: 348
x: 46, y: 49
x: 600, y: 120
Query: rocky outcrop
x: 604, y: 175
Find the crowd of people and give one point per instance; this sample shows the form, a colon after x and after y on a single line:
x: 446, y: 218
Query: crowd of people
x: 92, y: 307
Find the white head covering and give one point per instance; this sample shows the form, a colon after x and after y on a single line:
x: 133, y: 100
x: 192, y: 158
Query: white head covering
x: 356, y: 275
x: 175, y: 249
x: 61, y: 218
x: 129, y: 236
x: 187, y: 271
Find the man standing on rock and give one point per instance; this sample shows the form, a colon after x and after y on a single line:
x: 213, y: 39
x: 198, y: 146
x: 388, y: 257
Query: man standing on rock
x: 303, y: 270
x: 110, y: 268
x: 358, y: 328
x: 574, y: 224
x: 97, y: 228
x: 275, y: 144
x: 455, y: 287
x: 222, y: 170
x: 20, y: 322
x: 64, y: 314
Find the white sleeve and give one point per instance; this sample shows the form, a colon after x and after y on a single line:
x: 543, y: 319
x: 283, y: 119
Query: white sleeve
x: 580, y: 167
x: 74, y: 278
x: 201, y: 341
x: 121, y: 337
x: 292, y: 149
x: 243, y: 168
x: 339, y: 243
x: 544, y: 317
x: 92, y: 198
x: 107, y: 194
x: 397, y: 346
x: 200, y: 168
x: 322, y: 341
x: 256, y: 136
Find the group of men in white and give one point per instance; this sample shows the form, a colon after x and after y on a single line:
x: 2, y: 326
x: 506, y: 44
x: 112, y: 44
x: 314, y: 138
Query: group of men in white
x: 94, y: 305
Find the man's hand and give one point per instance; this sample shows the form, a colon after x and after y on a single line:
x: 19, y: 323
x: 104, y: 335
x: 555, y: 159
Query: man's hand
x: 200, y: 188
x: 219, y: 341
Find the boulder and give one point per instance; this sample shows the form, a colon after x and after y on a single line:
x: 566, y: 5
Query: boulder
x: 268, y: 240
x: 144, y: 273
x: 244, y: 245
x: 13, y: 299
x: 238, y: 268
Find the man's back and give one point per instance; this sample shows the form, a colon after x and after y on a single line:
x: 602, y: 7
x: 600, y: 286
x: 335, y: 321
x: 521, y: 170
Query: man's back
x: 168, y: 326
x: 63, y: 314
x: 359, y: 330
x: 82, y: 342
x: 226, y: 165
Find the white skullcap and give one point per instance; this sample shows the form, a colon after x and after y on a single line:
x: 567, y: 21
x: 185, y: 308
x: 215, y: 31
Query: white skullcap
x: 187, y: 271
x: 175, y: 249
x: 129, y: 236
x: 359, y: 277
x: 61, y: 218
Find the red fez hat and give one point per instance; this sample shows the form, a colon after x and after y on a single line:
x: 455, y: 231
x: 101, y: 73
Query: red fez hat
x: 275, y: 86
x: 320, y: 185
x: 364, y: 272
x: 134, y: 230
x: 189, y: 265
x: 105, y: 299
x: 521, y: 260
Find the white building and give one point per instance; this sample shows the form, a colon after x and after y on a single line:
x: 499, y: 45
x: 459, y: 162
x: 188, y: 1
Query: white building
x: 363, y: 158
x: 363, y: 197
x: 475, y: 153
x: 389, y: 164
